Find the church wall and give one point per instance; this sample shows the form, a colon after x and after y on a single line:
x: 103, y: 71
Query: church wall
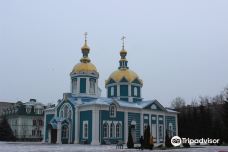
x: 105, y: 117
x: 135, y: 117
x: 86, y: 116
x: 48, y: 119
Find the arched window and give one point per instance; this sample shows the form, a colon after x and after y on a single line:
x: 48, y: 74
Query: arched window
x: 112, y: 91
x: 65, y: 111
x: 112, y: 111
x: 69, y: 114
x: 135, y: 91
x: 61, y: 114
x: 106, y: 130
x: 112, y: 130
x: 64, y: 131
x: 118, y: 130
x: 74, y: 86
x: 161, y: 132
x: 92, y: 86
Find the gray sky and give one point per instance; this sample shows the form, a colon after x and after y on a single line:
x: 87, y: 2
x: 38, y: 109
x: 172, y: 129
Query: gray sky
x: 178, y: 48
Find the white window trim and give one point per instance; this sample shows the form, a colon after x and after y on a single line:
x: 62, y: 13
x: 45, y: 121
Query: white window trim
x: 114, y: 111
x: 113, y: 131
x: 120, y: 130
x: 112, y: 91
x: 69, y: 108
x: 162, y: 132
x: 108, y: 132
x: 135, y: 91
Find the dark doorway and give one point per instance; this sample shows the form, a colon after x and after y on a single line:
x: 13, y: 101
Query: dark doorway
x: 53, y: 136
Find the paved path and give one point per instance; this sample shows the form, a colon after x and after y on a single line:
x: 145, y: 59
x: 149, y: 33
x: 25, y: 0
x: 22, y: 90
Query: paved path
x: 38, y: 147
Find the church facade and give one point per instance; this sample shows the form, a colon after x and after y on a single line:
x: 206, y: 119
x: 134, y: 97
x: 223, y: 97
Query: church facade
x: 83, y: 116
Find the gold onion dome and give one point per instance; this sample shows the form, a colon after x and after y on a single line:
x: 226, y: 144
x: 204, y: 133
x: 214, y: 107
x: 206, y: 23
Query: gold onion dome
x: 85, y: 65
x: 124, y: 73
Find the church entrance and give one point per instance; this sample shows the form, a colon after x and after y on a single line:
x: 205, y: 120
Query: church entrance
x: 53, y: 136
x: 65, y: 134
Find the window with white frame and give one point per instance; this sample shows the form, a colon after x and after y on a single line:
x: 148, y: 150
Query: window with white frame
x: 65, y: 111
x: 74, y: 86
x: 171, y: 129
x: 69, y: 114
x: 85, y: 129
x: 160, y: 130
x: 92, y: 85
x: 33, y: 132
x: 135, y: 91
x: 112, y: 111
x: 112, y: 130
x: 118, y: 130
x: 154, y: 130
x: 61, y: 114
x: 112, y: 91
x: 106, y: 130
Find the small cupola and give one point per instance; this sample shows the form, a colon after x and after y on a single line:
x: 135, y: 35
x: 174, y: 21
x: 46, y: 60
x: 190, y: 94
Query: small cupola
x: 124, y: 83
x: 84, y: 76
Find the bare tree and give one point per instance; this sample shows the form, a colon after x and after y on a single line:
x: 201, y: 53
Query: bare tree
x: 178, y: 103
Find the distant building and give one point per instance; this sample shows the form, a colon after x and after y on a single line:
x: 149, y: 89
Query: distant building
x: 26, y: 120
x: 5, y: 105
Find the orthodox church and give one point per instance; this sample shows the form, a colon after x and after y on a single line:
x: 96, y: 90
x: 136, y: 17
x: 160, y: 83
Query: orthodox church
x: 83, y: 116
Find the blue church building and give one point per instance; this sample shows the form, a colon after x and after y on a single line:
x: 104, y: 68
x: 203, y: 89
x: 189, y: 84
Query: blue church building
x: 83, y: 116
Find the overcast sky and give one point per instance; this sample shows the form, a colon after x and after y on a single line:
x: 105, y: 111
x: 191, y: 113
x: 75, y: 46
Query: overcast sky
x: 178, y: 48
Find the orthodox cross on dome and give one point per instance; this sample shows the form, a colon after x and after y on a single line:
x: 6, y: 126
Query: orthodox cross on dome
x: 123, y: 61
x: 123, y: 38
x: 85, y: 34
x: 85, y: 50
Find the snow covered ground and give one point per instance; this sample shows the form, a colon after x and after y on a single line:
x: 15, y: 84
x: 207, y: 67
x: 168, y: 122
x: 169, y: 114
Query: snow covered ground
x: 38, y: 147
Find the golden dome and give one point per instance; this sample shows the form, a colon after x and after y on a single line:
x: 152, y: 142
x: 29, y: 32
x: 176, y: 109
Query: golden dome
x: 86, y: 67
x: 128, y: 74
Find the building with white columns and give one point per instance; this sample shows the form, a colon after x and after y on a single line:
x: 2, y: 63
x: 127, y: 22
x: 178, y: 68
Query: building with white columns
x: 83, y: 116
